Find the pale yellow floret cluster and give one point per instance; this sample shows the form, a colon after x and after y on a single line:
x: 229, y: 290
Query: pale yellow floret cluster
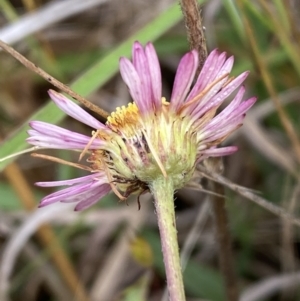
x: 123, y: 117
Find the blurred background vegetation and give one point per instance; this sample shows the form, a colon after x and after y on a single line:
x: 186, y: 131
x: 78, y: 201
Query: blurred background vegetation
x: 112, y: 251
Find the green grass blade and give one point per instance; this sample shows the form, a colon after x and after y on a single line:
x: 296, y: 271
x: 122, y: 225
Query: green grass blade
x: 235, y: 19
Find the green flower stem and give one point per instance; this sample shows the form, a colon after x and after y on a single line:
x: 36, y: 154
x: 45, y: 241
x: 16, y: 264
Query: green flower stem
x: 163, y: 192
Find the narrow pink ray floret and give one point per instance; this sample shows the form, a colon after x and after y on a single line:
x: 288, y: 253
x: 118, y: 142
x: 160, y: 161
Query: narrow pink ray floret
x: 151, y: 137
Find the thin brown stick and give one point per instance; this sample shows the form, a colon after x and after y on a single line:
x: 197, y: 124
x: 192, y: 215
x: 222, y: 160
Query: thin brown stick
x: 223, y: 236
x: 61, y: 161
x: 250, y: 195
x: 222, y: 233
x: 31, y: 66
x: 193, y: 23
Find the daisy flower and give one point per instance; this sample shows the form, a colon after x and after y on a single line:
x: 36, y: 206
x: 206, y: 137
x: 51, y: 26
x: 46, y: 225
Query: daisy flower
x: 150, y: 138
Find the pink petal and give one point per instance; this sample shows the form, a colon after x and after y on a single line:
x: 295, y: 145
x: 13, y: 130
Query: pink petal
x: 133, y: 81
x: 213, y: 71
x: 217, y: 100
x: 233, y: 116
x: 140, y: 64
x: 206, y: 98
x: 229, y: 109
x: 184, y: 77
x: 244, y: 106
x: 51, y: 130
x: 205, y: 73
x: 72, y: 192
x: 226, y: 68
x: 55, y: 143
x: 98, y: 195
x: 89, y: 178
x: 155, y: 75
x: 220, y: 152
x: 75, y: 111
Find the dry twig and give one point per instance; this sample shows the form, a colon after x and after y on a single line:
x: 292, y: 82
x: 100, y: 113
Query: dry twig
x: 31, y: 66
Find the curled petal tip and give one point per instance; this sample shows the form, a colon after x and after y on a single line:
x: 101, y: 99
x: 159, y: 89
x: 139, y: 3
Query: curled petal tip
x: 231, y: 59
x: 251, y: 102
x: 52, y: 93
x: 246, y: 73
x: 80, y: 207
x: 192, y: 53
x: 215, y: 52
x: 149, y: 47
x: 137, y: 44
x: 123, y: 60
x: 56, y: 96
x: 234, y: 149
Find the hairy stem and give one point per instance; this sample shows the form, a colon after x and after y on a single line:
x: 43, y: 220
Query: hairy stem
x: 193, y: 23
x: 163, y: 192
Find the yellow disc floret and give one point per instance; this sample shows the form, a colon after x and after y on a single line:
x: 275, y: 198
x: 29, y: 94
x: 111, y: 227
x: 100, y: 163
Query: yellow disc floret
x: 124, y: 118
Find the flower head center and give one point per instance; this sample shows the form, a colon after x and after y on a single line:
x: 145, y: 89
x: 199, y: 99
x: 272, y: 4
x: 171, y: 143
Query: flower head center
x: 124, y: 117
x: 144, y: 147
